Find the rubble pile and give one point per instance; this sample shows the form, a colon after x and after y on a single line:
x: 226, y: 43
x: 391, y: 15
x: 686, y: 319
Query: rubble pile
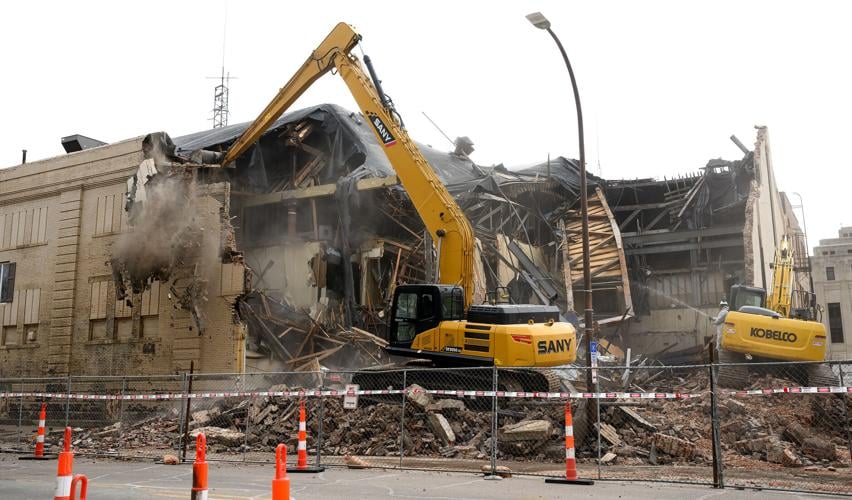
x: 160, y: 432
x: 307, y: 340
x: 789, y: 431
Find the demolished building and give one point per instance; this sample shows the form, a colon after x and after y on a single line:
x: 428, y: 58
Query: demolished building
x: 287, y: 260
x: 689, y: 238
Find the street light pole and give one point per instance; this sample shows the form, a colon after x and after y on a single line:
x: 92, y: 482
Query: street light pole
x: 539, y: 21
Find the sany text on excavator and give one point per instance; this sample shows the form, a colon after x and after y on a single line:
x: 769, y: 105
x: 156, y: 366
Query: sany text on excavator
x: 436, y: 321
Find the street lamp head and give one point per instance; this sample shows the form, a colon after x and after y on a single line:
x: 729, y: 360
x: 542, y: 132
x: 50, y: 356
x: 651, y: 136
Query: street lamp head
x: 538, y: 20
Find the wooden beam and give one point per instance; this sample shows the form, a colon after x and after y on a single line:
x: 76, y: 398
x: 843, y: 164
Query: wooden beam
x: 691, y: 196
x: 654, y: 222
x: 643, y: 206
x: 318, y: 191
x: 601, y: 269
x: 597, y: 245
x: 629, y: 219
x: 400, y: 224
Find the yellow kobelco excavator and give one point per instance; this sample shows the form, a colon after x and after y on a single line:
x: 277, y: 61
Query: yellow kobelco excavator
x: 767, y: 327
x: 436, y: 322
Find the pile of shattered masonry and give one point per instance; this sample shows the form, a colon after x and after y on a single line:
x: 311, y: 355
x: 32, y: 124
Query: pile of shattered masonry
x: 756, y: 431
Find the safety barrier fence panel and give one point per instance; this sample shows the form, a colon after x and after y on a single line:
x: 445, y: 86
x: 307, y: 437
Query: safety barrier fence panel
x: 786, y: 425
x: 767, y: 425
x: 446, y: 419
x: 149, y: 427
x: 634, y: 425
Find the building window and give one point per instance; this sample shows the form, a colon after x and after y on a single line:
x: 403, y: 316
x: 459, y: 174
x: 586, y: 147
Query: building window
x: 829, y: 273
x: 835, y: 323
x: 110, y: 216
x: 7, y: 282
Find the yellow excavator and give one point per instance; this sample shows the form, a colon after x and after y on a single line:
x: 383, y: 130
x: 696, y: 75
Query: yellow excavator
x: 434, y: 322
x: 766, y: 327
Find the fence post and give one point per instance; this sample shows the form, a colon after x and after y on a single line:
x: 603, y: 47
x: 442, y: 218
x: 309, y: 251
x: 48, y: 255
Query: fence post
x: 599, y: 426
x: 252, y: 401
x: 21, y: 418
x: 181, y: 408
x: 845, y: 412
x: 121, y: 403
x: 402, y: 417
x: 68, y: 402
x: 494, y: 386
x: 184, y: 436
x: 718, y: 472
x: 319, y: 424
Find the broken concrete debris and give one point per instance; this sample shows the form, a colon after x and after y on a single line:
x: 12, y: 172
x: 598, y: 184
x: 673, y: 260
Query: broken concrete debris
x: 418, y: 396
x: 441, y: 428
x: 768, y: 431
x: 673, y: 446
x: 526, y: 430
x: 500, y: 470
x: 217, y: 435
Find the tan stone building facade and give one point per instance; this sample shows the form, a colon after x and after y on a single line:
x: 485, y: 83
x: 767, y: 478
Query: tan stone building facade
x: 832, y: 271
x: 59, y: 221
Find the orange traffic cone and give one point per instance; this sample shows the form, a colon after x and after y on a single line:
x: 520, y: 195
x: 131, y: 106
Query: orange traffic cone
x: 570, y: 460
x: 80, y: 478
x: 200, y: 469
x: 281, y: 483
x: 39, y: 447
x: 302, y: 449
x: 63, y: 471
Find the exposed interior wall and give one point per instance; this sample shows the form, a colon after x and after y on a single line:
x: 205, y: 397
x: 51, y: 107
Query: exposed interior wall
x: 670, y: 330
x: 768, y: 211
x: 285, y: 271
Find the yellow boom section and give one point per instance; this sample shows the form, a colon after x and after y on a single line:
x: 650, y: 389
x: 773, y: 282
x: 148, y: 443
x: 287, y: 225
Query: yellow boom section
x: 442, y: 217
x: 780, y: 296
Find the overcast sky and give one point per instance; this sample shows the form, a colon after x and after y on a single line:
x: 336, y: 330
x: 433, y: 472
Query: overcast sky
x: 663, y: 84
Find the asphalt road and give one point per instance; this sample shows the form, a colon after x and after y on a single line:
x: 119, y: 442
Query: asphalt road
x: 135, y: 480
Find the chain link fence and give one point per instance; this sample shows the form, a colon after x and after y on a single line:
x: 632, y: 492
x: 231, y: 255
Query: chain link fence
x: 762, y: 425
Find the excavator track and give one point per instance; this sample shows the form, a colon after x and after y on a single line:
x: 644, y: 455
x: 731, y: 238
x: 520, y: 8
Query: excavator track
x: 821, y: 376
x: 732, y: 377
x: 737, y: 377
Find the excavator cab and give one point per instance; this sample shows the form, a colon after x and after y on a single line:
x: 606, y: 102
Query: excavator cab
x: 742, y: 295
x: 418, y: 308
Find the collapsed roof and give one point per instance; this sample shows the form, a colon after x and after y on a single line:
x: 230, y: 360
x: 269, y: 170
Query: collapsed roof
x: 351, y: 144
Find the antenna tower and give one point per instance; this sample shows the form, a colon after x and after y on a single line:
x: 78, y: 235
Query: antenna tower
x: 220, y: 92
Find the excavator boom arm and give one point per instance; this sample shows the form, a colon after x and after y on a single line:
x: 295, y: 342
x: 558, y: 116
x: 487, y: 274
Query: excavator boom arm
x: 341, y: 39
x: 440, y: 213
x: 780, y: 296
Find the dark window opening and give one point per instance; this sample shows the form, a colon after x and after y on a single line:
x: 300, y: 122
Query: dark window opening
x: 7, y: 282
x: 405, y: 315
x: 835, y: 323
x: 452, y: 304
x: 829, y: 273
